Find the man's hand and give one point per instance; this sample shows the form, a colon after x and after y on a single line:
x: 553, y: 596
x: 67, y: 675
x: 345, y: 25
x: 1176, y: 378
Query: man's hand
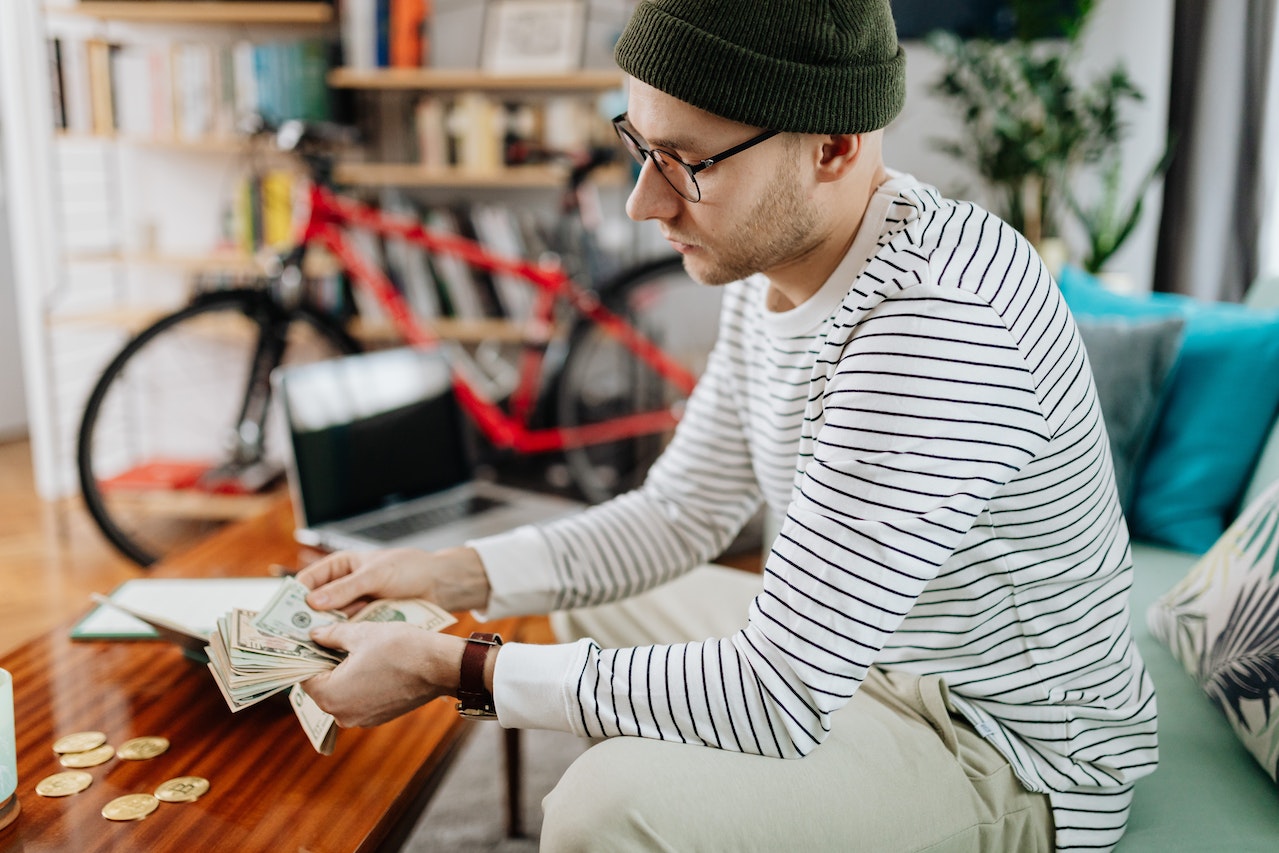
x: 390, y: 670
x: 453, y: 578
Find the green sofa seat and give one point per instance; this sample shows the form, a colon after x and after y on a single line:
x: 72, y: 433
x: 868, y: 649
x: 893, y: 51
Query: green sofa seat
x: 1208, y: 794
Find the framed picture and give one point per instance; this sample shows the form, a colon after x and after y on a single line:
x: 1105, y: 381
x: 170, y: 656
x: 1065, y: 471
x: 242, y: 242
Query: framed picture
x: 533, y: 36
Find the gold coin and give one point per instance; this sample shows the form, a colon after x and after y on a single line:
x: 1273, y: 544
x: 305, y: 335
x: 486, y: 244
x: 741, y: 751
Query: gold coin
x: 141, y: 748
x: 130, y: 807
x: 64, y: 783
x: 79, y: 742
x: 88, y: 758
x: 184, y: 789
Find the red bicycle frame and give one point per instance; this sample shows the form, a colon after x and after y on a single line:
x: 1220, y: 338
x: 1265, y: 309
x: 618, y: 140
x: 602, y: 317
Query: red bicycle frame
x: 330, y: 213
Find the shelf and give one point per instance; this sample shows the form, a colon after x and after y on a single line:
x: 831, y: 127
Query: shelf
x: 204, y: 145
x: 140, y: 11
x: 131, y: 320
x: 227, y: 262
x: 457, y: 80
x: 451, y: 329
x: 415, y: 175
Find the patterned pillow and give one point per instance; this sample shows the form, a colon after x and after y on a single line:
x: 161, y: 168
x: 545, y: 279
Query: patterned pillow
x: 1222, y: 623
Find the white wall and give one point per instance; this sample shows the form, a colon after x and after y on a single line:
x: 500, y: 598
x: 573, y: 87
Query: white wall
x: 1137, y: 32
x: 13, y: 403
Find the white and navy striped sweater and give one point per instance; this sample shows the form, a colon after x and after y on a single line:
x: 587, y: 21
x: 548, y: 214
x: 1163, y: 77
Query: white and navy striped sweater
x: 928, y: 427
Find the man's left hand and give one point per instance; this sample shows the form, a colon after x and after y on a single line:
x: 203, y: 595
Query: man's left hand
x: 390, y: 669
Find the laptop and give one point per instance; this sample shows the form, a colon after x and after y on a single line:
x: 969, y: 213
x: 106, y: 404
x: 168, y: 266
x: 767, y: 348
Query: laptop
x: 379, y: 456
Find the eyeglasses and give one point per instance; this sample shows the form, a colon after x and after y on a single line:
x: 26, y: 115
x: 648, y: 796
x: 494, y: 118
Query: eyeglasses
x: 680, y: 175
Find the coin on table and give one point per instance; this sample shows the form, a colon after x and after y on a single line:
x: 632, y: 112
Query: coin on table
x: 64, y: 784
x: 88, y: 758
x: 79, y: 742
x: 130, y: 807
x: 141, y: 748
x: 183, y: 789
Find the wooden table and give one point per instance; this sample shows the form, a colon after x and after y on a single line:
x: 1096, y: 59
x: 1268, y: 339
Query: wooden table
x: 269, y: 789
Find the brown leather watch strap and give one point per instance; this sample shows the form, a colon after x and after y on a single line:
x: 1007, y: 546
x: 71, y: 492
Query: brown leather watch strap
x: 474, y: 699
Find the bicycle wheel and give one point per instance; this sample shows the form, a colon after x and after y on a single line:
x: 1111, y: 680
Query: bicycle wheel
x: 601, y: 379
x: 176, y: 437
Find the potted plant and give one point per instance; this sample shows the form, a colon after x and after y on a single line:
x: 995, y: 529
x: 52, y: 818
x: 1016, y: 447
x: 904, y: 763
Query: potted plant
x: 1030, y: 125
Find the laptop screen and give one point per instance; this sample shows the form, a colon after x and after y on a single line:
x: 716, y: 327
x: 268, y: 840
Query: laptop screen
x: 372, y: 430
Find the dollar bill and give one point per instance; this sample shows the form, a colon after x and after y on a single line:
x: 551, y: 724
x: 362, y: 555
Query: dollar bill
x: 251, y: 647
x: 414, y: 611
x: 288, y: 615
x: 256, y: 655
x: 320, y: 727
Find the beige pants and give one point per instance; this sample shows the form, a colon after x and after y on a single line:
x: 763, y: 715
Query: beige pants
x: 899, y: 771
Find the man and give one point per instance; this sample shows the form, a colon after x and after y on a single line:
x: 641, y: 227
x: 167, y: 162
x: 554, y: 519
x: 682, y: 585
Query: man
x: 941, y: 634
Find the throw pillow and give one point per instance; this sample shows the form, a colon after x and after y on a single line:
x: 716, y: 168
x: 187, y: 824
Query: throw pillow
x: 1131, y: 361
x: 1222, y: 623
x: 1222, y: 397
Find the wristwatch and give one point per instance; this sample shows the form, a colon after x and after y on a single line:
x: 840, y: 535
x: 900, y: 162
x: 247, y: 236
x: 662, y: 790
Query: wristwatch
x: 474, y: 699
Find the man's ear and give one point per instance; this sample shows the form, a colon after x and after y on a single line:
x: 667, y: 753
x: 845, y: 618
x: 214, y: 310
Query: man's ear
x: 839, y: 154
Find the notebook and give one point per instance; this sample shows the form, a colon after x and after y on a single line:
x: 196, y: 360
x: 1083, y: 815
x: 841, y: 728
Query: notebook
x: 378, y: 457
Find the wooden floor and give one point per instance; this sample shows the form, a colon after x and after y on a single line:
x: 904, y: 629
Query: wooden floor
x: 51, y: 555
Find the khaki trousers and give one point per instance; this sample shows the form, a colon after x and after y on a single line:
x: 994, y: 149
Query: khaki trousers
x: 899, y: 771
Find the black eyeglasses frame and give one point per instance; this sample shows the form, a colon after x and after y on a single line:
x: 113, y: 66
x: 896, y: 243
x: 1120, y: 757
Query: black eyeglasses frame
x: 642, y: 151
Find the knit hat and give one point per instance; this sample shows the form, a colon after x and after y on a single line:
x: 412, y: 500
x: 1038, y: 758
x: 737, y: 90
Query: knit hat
x: 805, y: 66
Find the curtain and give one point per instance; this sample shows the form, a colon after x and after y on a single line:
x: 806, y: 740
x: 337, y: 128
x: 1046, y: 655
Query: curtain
x: 1221, y: 192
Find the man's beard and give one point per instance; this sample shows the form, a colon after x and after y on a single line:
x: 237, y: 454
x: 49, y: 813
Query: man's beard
x: 780, y: 228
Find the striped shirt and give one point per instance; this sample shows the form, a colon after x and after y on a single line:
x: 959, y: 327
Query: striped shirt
x: 927, y: 426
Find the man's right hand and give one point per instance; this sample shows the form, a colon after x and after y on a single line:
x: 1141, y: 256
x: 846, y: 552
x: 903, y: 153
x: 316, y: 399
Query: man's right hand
x: 347, y: 580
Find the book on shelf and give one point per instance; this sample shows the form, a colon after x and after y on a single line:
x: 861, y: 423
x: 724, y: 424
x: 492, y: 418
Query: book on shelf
x: 368, y: 246
x: 385, y: 33
x: 53, y: 48
x: 262, y: 213
x: 496, y: 229
x: 456, y: 279
x: 186, y: 90
x: 483, y: 280
x: 101, y: 98
x: 193, y: 70
x: 408, y: 263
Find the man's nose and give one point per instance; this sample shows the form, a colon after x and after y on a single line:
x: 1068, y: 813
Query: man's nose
x: 653, y: 197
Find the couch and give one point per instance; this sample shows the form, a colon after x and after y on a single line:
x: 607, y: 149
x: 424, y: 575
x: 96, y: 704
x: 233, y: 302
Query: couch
x: 1209, y: 793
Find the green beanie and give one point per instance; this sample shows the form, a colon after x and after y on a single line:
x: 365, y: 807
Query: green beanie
x: 804, y: 66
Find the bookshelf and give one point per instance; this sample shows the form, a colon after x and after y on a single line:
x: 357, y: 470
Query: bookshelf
x: 416, y: 175
x: 161, y: 197
x: 122, y: 218
x: 455, y: 80
x: 147, y: 11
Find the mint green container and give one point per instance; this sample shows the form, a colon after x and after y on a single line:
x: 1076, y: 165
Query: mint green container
x: 8, y: 753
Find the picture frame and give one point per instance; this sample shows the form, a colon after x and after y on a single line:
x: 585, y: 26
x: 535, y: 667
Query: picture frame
x: 533, y: 36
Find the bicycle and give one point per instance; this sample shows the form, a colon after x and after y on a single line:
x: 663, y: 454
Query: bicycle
x: 168, y: 439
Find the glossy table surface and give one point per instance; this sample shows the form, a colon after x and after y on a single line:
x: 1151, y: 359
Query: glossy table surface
x: 269, y: 789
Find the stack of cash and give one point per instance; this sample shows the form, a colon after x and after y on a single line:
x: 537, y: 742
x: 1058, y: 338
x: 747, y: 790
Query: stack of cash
x: 255, y: 655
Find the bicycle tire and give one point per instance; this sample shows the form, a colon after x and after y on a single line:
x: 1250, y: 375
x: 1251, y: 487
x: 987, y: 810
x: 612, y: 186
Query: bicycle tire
x: 601, y: 379
x: 165, y: 398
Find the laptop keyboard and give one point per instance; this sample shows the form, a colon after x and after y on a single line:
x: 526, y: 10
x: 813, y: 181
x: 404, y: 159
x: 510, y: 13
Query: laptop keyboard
x: 428, y: 517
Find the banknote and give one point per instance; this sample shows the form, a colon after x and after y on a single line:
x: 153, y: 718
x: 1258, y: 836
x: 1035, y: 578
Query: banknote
x: 319, y: 727
x: 256, y: 655
x: 414, y: 611
x: 251, y: 647
x: 288, y: 615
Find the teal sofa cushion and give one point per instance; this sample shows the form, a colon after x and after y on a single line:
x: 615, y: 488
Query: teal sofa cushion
x: 1208, y: 793
x: 1221, y: 402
